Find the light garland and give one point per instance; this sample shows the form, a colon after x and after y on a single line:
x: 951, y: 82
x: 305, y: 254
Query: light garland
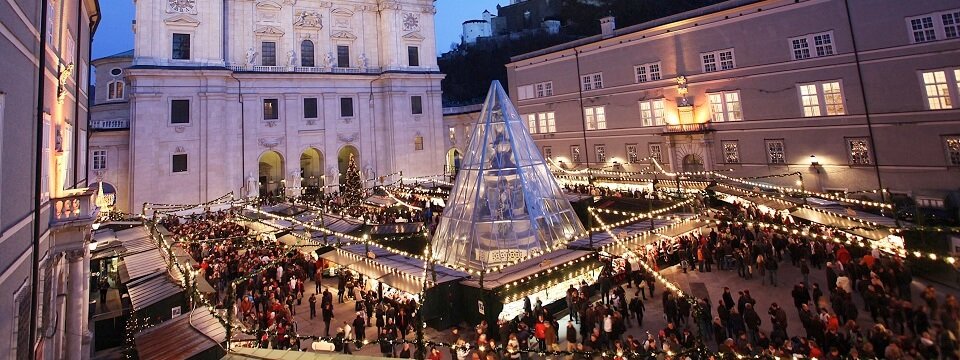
x: 634, y: 217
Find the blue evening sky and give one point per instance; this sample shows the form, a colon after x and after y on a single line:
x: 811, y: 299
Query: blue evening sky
x: 115, y: 35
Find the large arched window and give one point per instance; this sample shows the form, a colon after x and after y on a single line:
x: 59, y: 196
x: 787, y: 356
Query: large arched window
x: 115, y: 90
x: 306, y: 54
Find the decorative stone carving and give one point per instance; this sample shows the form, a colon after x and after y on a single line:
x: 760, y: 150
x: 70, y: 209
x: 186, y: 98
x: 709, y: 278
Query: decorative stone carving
x: 179, y: 150
x: 251, y: 57
x: 362, y: 61
x: 268, y: 30
x: 180, y: 129
x: 309, y: 19
x: 329, y: 60
x: 268, y: 4
x: 413, y: 36
x: 182, y: 6
x: 270, y: 123
x: 74, y: 255
x: 429, y: 9
x: 65, y: 73
x: 411, y: 22
x: 389, y: 5
x: 289, y: 2
x: 343, y: 35
x: 271, y: 143
x: 344, y: 138
x: 326, y: 4
x: 291, y: 58
x: 182, y: 20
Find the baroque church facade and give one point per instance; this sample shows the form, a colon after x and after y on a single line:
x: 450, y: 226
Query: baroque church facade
x: 275, y: 96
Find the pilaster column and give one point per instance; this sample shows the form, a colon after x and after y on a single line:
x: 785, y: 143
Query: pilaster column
x: 76, y: 302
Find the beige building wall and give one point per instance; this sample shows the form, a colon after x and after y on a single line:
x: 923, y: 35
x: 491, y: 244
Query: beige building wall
x: 907, y: 141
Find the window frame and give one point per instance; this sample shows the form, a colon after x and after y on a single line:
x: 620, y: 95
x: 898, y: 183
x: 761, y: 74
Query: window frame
x: 948, y: 153
x: 264, y: 56
x: 189, y: 111
x: 543, y: 89
x: 174, y: 49
x: 576, y: 152
x: 599, y: 118
x: 173, y: 164
x: 820, y: 95
x: 656, y: 155
x: 413, y: 56
x: 531, y: 120
x: 547, y: 122
x: 633, y: 157
x: 276, y: 109
x: 851, y: 158
x: 727, y: 152
x: 648, y: 72
x: 724, y: 106
x: 343, y: 103
x: 600, y: 152
x: 316, y: 108
x: 717, y: 60
x: 418, y: 143
x: 937, y: 30
x: 343, y: 61
x: 653, y: 119
x: 308, y: 57
x: 98, y: 156
x: 812, y: 48
x: 592, y: 81
x: 115, y: 92
x: 547, y: 152
x: 951, y: 85
x: 769, y: 153
x: 416, y: 105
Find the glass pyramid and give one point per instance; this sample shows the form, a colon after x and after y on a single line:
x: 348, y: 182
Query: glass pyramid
x: 505, y: 205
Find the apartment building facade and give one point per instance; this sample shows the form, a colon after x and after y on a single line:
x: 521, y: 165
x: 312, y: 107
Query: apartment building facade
x: 854, y: 95
x: 46, y: 210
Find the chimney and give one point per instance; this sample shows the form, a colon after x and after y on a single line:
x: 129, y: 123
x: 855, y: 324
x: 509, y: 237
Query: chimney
x: 607, y: 25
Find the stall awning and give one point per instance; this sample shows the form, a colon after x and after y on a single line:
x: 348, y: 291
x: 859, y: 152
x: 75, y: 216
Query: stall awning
x: 149, y: 291
x: 778, y: 204
x: 139, y: 265
x: 182, y: 337
x: 397, y: 271
x: 339, y: 257
x: 601, y: 239
x: 400, y: 228
x: 527, y: 268
x: 837, y: 221
x: 240, y: 353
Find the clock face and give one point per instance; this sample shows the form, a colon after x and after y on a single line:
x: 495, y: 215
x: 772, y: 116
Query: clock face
x: 182, y: 5
x: 410, y: 22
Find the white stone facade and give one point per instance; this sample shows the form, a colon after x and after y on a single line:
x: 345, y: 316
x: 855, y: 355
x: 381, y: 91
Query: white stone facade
x: 249, y: 88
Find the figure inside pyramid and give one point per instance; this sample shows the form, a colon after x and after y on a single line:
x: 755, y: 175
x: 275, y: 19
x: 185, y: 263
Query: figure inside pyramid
x: 505, y: 205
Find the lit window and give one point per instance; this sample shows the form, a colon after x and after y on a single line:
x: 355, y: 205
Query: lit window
x: 937, y: 90
x: 547, y: 152
x: 633, y: 156
x: 532, y: 123
x: 547, y: 122
x: 656, y: 152
x: 595, y: 117
x: 601, y: 151
x: 825, y: 98
x: 718, y: 60
x: 575, y: 154
x: 418, y: 143
x: 810, y: 100
x: 651, y: 113
x: 648, y: 72
x: 859, y: 150
x: 833, y: 98
x: 99, y: 160
x: 952, y: 146
x: 731, y: 152
x: 592, y: 81
x: 452, y: 132
x: 271, y: 109
x: 115, y: 90
x: 725, y: 106
x: 775, y: 153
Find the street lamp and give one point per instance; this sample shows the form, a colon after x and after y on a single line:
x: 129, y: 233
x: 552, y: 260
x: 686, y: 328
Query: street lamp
x: 815, y: 163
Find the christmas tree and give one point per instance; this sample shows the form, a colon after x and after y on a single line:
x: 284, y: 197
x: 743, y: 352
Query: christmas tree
x: 352, y: 185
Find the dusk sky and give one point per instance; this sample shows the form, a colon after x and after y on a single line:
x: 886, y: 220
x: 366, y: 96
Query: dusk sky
x: 115, y: 35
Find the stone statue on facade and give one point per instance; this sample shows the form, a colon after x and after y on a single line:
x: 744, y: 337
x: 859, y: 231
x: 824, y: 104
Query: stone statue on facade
x: 291, y: 58
x: 329, y: 60
x: 362, y: 61
x: 251, y: 57
x: 253, y: 189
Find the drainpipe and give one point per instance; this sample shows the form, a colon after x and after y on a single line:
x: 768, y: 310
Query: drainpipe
x: 37, y: 173
x: 243, y: 137
x: 866, y: 107
x: 583, y: 117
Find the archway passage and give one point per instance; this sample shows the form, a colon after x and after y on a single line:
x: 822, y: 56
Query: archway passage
x: 454, y: 159
x: 343, y: 160
x: 311, y: 171
x: 692, y: 163
x: 271, y: 174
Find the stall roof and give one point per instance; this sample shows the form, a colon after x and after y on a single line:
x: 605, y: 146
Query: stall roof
x: 837, y: 221
x: 390, y: 264
x: 399, y: 228
x: 782, y: 204
x: 238, y: 353
x: 139, y: 265
x: 149, y: 291
x: 602, y: 238
x: 182, y: 337
x: 527, y: 268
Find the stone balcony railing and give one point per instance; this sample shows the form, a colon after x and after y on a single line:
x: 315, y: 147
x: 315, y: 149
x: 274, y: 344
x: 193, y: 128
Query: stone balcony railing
x: 686, y: 128
x: 74, y: 208
x: 110, y: 124
x: 325, y: 70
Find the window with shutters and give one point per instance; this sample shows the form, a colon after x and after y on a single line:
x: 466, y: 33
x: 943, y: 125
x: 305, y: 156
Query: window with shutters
x: 525, y: 92
x: 180, y: 111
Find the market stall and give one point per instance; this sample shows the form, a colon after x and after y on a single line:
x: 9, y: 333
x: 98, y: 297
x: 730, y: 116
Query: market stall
x: 192, y: 336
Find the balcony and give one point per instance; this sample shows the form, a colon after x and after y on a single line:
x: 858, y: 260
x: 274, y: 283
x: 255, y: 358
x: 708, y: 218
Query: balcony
x: 74, y: 208
x: 686, y: 128
x: 110, y: 124
x: 304, y: 69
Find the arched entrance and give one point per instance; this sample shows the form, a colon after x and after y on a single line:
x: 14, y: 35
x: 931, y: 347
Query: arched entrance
x: 271, y: 174
x: 692, y: 163
x: 454, y: 158
x: 311, y: 170
x: 343, y: 160
x: 106, y: 195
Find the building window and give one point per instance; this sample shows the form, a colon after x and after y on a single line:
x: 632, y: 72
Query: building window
x: 307, y: 54
x: 775, y: 153
x: 268, y: 55
x: 544, y: 89
x: 951, y: 24
x: 547, y: 122
x: 595, y: 117
x: 416, y: 105
x: 343, y: 56
x: 270, y: 109
x: 952, y: 146
x: 115, y: 90
x: 525, y: 92
x: 647, y: 72
x: 822, y: 98
x: 601, y: 151
x: 651, y: 113
x: 532, y: 123
x: 725, y: 106
x: 592, y: 81
x: 931, y: 27
x: 575, y: 154
x: 859, y: 150
x: 418, y: 143
x: 633, y: 156
x: 181, y: 47
x: 413, y: 56
x: 99, y: 159
x: 656, y: 152
x: 179, y: 163
x: 180, y: 111
x: 310, y: 108
x: 922, y: 29
x: 22, y: 300
x: 346, y: 107
x: 718, y: 60
x: 731, y: 152
x: 548, y: 152
x: 937, y: 89
x: 822, y: 45
x: 452, y: 133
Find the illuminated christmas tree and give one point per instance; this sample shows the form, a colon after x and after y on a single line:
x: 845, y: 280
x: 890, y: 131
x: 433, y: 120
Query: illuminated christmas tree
x: 352, y: 188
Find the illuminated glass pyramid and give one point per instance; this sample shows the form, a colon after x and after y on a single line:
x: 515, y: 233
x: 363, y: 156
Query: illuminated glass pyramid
x: 505, y: 206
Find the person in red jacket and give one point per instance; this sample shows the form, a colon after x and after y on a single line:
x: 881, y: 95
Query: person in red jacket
x: 540, y: 332
x: 843, y: 256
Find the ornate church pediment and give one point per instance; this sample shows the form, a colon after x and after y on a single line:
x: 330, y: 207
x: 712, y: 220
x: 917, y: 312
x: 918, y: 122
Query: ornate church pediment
x: 268, y: 30
x: 182, y: 20
x: 342, y: 12
x: 343, y: 35
x: 268, y: 5
x: 413, y: 36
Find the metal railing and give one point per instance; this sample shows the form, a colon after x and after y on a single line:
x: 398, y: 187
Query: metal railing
x: 110, y: 124
x: 686, y: 128
x: 327, y: 69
